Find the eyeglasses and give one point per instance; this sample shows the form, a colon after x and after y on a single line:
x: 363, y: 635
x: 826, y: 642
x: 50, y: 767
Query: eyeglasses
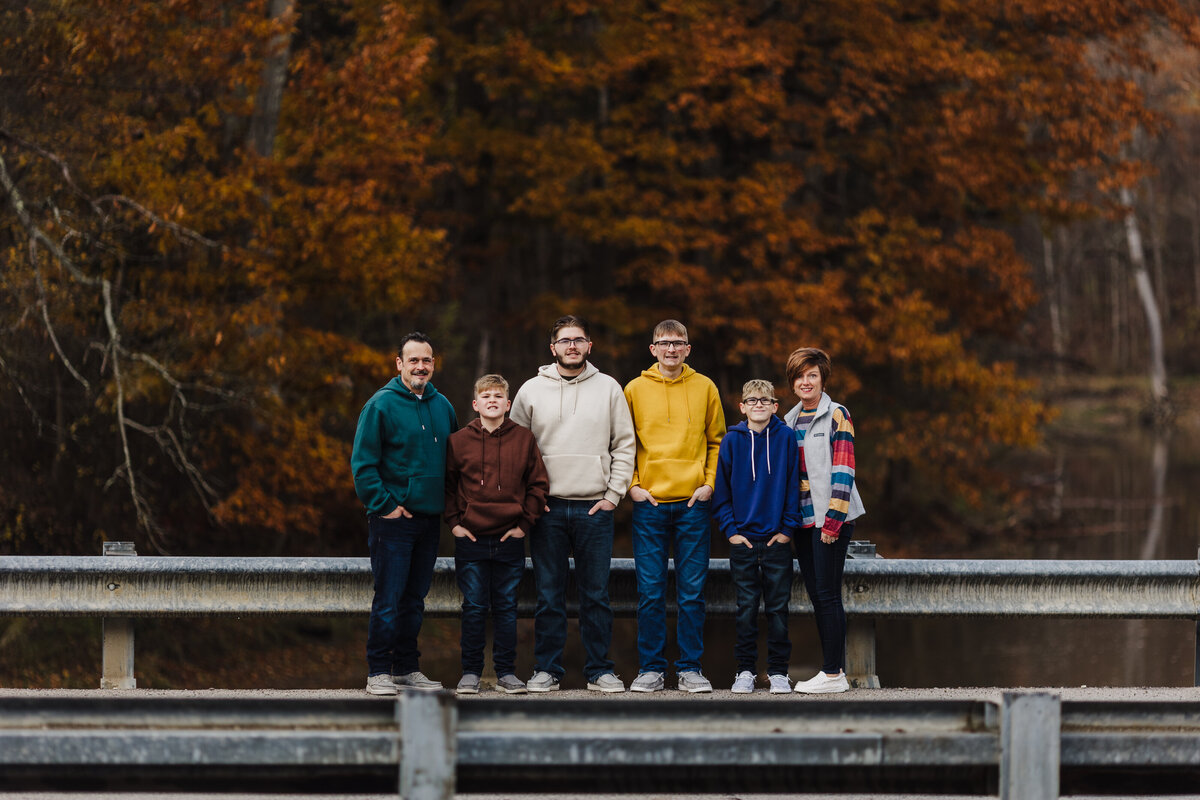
x: 578, y: 341
x: 670, y: 344
x: 759, y: 401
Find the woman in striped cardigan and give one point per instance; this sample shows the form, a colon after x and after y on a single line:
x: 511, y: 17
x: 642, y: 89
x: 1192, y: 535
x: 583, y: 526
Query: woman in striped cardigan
x: 830, y: 505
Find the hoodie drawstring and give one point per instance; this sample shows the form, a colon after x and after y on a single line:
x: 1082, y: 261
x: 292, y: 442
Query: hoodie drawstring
x: 753, y: 470
x: 483, y: 436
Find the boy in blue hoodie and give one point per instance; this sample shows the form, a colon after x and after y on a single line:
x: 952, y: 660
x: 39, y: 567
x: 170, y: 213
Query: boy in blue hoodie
x: 757, y: 504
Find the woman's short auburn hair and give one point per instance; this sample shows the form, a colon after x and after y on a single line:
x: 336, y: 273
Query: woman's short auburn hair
x: 802, y: 359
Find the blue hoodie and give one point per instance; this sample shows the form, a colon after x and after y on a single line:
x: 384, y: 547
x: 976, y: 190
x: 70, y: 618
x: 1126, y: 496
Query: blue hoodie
x: 758, y: 482
x: 399, y: 456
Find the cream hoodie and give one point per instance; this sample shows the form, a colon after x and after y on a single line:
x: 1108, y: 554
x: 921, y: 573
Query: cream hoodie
x: 583, y: 428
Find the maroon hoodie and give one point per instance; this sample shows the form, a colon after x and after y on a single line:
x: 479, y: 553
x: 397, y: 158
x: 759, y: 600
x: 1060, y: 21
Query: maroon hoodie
x: 494, y: 481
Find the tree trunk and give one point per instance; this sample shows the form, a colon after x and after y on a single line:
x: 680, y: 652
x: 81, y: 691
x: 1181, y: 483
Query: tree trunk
x: 265, y: 122
x: 1137, y: 256
x: 1052, y: 300
x: 1196, y: 247
x: 1118, y: 349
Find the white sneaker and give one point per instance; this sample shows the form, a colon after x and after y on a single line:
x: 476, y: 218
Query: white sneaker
x: 647, y: 682
x: 381, y: 685
x: 780, y: 684
x: 416, y: 680
x: 607, y: 683
x: 823, y: 684
x: 542, y: 681
x: 693, y: 682
x: 743, y: 683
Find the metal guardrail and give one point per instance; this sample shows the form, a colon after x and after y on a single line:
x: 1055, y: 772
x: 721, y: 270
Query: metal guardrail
x: 156, y: 586
x: 120, y: 589
x: 428, y: 743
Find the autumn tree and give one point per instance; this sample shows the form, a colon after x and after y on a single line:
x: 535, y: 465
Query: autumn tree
x: 184, y: 306
x: 844, y: 174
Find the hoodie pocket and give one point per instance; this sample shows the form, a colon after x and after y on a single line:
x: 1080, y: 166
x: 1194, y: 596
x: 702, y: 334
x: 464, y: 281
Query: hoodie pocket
x: 485, y: 517
x: 576, y: 475
x: 425, y: 494
x: 672, y: 478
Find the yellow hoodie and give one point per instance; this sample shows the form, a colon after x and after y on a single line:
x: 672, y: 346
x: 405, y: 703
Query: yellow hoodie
x: 679, y: 424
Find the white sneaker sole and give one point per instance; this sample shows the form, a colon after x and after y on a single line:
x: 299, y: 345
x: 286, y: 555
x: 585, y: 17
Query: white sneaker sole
x: 780, y: 691
x: 522, y: 690
x: 471, y: 690
x: 821, y: 689
x: 696, y: 689
x: 643, y: 689
x: 541, y: 689
x: 742, y: 691
x: 382, y: 691
x: 595, y: 687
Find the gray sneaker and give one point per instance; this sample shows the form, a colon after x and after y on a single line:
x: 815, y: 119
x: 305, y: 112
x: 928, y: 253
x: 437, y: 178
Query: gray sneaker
x: 510, y: 684
x: 693, y: 682
x: 647, y: 682
x: 542, y: 682
x: 468, y: 684
x: 608, y: 683
x: 744, y: 683
x: 381, y: 685
x: 416, y: 680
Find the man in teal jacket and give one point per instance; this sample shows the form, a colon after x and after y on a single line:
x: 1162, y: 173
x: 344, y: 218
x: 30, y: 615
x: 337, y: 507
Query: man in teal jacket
x: 399, y: 463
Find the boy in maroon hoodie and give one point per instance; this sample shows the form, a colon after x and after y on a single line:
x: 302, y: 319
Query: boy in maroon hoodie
x: 496, y: 487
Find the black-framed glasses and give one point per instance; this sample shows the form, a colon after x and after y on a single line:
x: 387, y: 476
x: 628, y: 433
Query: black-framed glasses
x: 578, y: 341
x: 671, y: 344
x: 759, y: 401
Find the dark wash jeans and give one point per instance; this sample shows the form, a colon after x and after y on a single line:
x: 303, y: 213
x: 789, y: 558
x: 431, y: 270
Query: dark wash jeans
x: 762, y: 574
x: 565, y: 530
x: 822, y: 566
x: 403, y: 554
x: 488, y: 573
x: 658, y: 532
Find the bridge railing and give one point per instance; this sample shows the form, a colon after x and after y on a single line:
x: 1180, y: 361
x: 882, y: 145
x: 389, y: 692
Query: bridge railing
x: 428, y: 745
x: 120, y: 589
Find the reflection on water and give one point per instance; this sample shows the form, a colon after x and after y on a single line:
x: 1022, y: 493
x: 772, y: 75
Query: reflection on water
x: 1133, y: 496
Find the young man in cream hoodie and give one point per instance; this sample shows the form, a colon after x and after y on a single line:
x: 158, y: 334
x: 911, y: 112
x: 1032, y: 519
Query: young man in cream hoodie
x: 679, y: 422
x: 581, y: 423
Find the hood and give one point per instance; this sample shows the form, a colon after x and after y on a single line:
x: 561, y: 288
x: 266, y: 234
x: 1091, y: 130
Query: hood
x: 505, y: 426
x: 775, y: 426
x: 654, y: 373
x: 550, y: 371
x: 397, y: 385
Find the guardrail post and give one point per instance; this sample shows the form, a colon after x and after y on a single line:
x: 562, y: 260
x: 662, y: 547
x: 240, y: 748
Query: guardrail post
x: 428, y: 745
x: 1030, y: 746
x: 116, y: 635
x: 860, y: 634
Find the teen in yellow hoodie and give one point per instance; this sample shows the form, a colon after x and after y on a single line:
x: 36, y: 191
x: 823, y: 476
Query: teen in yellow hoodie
x: 679, y: 422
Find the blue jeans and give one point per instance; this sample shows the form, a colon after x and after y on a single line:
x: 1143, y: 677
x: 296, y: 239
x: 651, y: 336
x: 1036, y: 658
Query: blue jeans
x: 762, y: 574
x: 822, y: 566
x: 403, y: 553
x: 564, y: 530
x: 488, y: 572
x: 685, y: 531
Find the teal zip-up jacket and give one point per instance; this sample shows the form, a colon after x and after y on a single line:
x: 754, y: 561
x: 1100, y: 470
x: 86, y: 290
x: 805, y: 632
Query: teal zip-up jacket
x: 399, y: 456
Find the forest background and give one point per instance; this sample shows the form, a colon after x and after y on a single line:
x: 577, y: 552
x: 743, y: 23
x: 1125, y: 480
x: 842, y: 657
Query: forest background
x: 218, y: 219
